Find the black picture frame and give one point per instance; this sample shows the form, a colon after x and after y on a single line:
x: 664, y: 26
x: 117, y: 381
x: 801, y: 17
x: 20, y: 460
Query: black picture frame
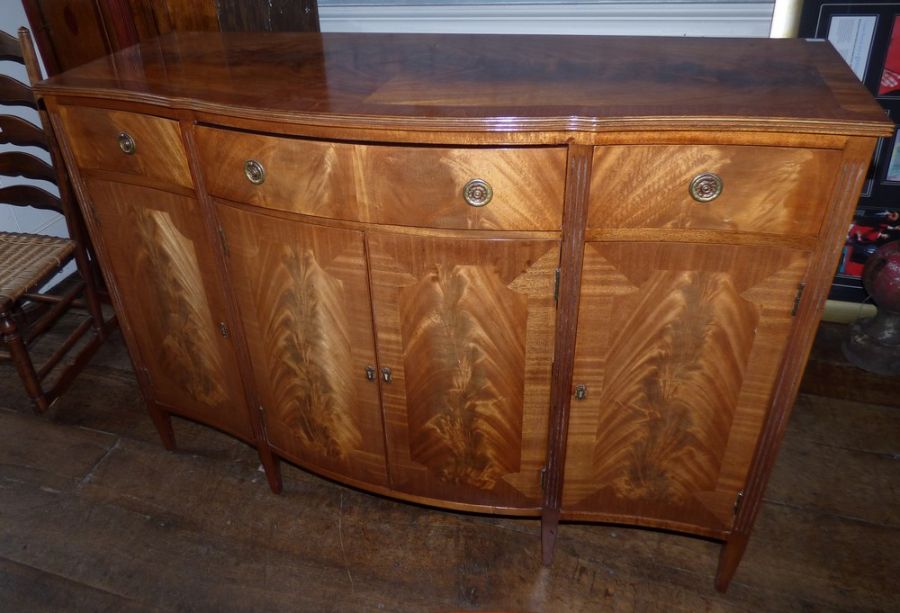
x: 868, y: 36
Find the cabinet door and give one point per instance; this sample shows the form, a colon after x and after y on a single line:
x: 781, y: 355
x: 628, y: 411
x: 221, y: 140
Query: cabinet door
x: 303, y: 295
x: 165, y: 275
x: 679, y: 346
x: 466, y: 329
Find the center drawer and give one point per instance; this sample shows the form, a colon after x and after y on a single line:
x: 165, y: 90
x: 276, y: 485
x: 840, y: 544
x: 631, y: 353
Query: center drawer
x: 496, y: 188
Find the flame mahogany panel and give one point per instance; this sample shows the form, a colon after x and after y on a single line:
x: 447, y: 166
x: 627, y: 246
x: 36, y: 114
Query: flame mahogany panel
x: 159, y: 153
x: 771, y: 190
x: 680, y: 346
x: 163, y: 268
x: 409, y: 186
x: 466, y: 327
x: 308, y: 327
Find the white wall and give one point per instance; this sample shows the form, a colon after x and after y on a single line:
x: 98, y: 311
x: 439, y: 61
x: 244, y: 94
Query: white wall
x: 635, y: 17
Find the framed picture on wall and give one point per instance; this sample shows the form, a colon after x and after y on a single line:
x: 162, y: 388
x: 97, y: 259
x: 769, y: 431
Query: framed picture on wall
x: 867, y: 35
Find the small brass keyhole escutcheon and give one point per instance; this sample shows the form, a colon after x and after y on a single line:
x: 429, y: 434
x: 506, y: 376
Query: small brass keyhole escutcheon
x: 370, y: 373
x: 254, y: 172
x: 477, y: 192
x: 127, y: 144
x: 580, y: 391
x: 706, y: 187
x: 387, y: 375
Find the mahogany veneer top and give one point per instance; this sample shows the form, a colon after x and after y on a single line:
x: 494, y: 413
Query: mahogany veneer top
x: 494, y: 82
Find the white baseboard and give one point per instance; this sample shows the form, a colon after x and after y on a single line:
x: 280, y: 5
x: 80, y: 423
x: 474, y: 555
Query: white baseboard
x: 745, y: 19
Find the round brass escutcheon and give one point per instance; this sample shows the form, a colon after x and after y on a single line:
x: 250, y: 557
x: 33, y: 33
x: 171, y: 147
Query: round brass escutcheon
x: 127, y: 144
x: 477, y: 192
x: 706, y: 187
x: 254, y: 172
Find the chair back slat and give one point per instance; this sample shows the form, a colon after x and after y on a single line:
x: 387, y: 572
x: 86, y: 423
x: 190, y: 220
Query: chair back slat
x: 21, y: 164
x: 17, y: 131
x: 10, y: 49
x: 29, y: 195
x: 14, y: 92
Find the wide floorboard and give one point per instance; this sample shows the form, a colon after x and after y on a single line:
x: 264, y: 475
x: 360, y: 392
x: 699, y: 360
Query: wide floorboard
x: 96, y: 516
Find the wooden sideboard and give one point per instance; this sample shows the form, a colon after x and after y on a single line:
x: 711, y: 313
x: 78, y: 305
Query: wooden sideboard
x: 573, y: 278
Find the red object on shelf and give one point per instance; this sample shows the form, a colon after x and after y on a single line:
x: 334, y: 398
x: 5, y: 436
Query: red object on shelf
x: 881, y: 276
x: 874, y: 343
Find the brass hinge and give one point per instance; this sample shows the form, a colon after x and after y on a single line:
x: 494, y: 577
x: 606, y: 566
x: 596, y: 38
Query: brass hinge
x: 542, y: 476
x: 738, y: 500
x: 556, y: 287
x: 798, y: 298
x: 224, y: 242
x: 580, y: 391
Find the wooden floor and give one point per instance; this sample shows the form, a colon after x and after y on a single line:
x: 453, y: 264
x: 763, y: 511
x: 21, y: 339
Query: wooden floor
x: 96, y: 516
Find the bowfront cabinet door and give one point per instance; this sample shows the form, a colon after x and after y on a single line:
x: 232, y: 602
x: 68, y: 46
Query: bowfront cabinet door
x: 303, y: 296
x: 678, y: 350
x: 165, y: 274
x: 465, y: 344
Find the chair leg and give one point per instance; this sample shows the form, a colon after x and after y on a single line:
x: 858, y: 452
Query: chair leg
x: 13, y: 340
x: 91, y: 298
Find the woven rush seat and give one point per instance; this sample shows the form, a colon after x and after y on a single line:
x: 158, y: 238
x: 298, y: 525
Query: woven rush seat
x: 28, y: 259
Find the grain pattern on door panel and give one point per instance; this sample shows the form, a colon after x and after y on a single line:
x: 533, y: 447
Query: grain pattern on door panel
x: 410, y: 186
x: 772, y: 190
x: 158, y: 151
x: 165, y: 273
x: 308, y: 323
x: 679, y: 346
x: 466, y: 327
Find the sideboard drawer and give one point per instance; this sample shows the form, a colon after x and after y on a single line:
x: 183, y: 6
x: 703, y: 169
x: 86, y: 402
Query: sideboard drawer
x: 128, y: 143
x: 770, y: 190
x: 514, y: 188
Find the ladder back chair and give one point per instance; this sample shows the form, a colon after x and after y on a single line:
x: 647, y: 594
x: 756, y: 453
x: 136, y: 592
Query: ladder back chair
x: 28, y: 261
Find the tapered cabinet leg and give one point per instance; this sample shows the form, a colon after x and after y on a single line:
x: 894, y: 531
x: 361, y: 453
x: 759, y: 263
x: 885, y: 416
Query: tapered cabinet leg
x: 13, y: 341
x: 549, y: 527
x: 272, y: 465
x: 729, y: 558
x: 163, y: 423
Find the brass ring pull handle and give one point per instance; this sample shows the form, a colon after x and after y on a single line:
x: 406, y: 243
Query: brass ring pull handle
x: 706, y: 187
x: 126, y: 143
x: 477, y: 192
x: 254, y: 172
